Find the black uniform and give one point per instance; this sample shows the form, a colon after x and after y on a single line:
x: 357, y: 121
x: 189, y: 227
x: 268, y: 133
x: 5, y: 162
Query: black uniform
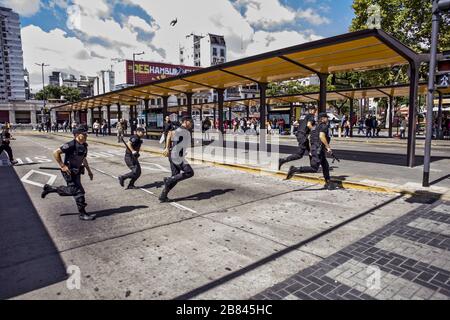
x: 181, y: 170
x: 132, y: 161
x: 318, y: 154
x: 74, y: 155
x: 4, y: 146
x: 302, y: 138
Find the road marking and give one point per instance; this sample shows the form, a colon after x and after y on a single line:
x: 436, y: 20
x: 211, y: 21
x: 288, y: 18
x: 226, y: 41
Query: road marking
x: 156, y: 167
x: 174, y: 204
x: 357, y: 275
x: 51, y: 180
x: 421, y: 252
x: 431, y: 225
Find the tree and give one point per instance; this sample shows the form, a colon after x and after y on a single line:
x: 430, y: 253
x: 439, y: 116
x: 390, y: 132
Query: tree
x: 55, y: 92
x: 407, y: 20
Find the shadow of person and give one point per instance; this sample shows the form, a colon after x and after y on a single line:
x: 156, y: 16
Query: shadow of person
x: 156, y: 184
x: 205, y: 195
x: 110, y: 212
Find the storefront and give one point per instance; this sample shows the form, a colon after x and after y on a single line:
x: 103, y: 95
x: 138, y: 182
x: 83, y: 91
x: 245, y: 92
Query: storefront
x: 23, y: 117
x: 4, y: 116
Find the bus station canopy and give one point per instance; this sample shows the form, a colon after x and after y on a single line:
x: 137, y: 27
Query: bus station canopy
x: 356, y: 51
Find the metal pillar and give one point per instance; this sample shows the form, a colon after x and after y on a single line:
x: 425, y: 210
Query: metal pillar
x: 414, y: 79
x: 189, y: 103
x: 165, y: 100
x: 92, y: 119
x: 220, y: 98
x: 100, y: 116
x: 130, y: 119
x: 215, y: 117
x: 248, y: 111
x: 352, y: 113
x: 390, y: 108
x: 439, y: 124
x: 323, y: 77
x: 146, y: 105
x: 230, y: 115
x: 262, y: 106
x: 119, y: 112
x: 108, y: 113
x: 201, y: 114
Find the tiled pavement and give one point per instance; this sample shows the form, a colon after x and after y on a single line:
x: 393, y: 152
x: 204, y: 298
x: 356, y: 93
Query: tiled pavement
x: 407, y: 259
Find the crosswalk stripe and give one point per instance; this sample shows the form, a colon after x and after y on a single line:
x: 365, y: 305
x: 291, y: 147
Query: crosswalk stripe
x: 431, y: 225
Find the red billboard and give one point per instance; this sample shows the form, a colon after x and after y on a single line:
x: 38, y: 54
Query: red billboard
x: 151, y: 71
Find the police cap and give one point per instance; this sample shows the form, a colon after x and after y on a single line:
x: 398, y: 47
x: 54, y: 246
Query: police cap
x: 81, y: 129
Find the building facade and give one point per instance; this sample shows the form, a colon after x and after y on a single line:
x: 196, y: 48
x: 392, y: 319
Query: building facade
x: 203, y: 51
x: 12, y: 86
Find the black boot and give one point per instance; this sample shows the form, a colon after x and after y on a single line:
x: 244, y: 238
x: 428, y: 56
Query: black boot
x: 47, y: 189
x: 280, y: 163
x: 328, y: 185
x: 85, y: 216
x: 131, y: 187
x: 121, y: 181
x: 292, y: 171
x: 167, y: 187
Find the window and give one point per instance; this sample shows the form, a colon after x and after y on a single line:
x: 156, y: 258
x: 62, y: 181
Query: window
x: 222, y: 52
x: 214, y: 51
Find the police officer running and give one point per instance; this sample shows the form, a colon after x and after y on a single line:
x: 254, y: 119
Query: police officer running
x: 320, y: 144
x: 177, y: 142
x: 72, y: 168
x: 304, y: 129
x: 5, y: 144
x: 131, y: 159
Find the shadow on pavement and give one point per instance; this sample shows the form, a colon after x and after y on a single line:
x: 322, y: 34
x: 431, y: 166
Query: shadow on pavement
x: 440, y: 179
x: 205, y: 195
x: 156, y: 184
x: 29, y: 259
x: 109, y: 212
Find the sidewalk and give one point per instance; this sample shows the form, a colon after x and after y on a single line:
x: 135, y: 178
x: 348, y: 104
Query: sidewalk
x: 361, y: 167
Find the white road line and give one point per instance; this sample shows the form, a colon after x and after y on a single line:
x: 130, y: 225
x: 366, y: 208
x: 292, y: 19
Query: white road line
x: 149, y: 192
x: 51, y: 180
x: 174, y: 204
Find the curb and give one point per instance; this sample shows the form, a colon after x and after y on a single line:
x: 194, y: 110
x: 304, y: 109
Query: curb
x: 303, y: 178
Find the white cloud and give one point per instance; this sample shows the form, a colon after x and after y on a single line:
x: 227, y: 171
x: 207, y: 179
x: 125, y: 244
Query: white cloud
x: 25, y: 8
x: 98, y: 38
x: 269, y: 14
x: 312, y: 17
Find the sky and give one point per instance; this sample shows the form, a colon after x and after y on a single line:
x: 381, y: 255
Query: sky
x: 83, y: 36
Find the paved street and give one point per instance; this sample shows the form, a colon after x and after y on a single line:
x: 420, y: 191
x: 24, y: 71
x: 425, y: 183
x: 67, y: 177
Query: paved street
x: 227, y: 234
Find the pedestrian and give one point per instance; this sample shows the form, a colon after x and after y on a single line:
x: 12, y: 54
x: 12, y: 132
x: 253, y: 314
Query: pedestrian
x: 104, y: 128
x: 177, y: 143
x: 133, y: 146
x: 6, y: 138
x: 120, y: 130
x: 206, y: 126
x: 361, y: 126
x: 305, y: 124
x: 96, y: 127
x: 320, y: 145
x: 74, y: 165
x: 368, y: 124
x: 374, y: 126
x: 403, y: 125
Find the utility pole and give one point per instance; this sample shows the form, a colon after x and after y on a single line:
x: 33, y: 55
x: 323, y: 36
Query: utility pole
x: 42, y: 65
x: 134, y: 65
x: 439, y: 6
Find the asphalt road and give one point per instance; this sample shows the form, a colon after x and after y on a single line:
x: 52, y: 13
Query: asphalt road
x: 227, y: 234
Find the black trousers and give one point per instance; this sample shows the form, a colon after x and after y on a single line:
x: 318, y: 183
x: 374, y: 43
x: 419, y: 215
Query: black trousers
x: 7, y: 148
x: 303, y: 147
x: 180, y: 172
x: 73, y: 189
x: 135, y: 168
x: 319, y: 158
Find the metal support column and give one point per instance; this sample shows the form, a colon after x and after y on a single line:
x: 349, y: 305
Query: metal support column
x: 146, y: 106
x: 92, y: 119
x: 262, y: 106
x: 413, y: 87
x: 352, y: 113
x: 131, y: 120
x: 119, y: 112
x: 390, y: 118
x: 108, y: 113
x: 323, y: 77
x: 439, y: 119
x: 220, y: 100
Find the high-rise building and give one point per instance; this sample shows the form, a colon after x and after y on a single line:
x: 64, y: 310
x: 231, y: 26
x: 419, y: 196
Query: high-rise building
x: 203, y: 51
x: 104, y: 82
x: 12, y: 86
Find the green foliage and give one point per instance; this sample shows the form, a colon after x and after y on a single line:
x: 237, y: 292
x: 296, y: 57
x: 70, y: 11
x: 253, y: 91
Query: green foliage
x: 407, y: 20
x: 55, y: 92
x: 294, y: 87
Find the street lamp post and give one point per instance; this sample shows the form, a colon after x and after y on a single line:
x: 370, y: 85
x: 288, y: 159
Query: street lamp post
x: 134, y: 65
x: 439, y: 6
x: 42, y: 65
